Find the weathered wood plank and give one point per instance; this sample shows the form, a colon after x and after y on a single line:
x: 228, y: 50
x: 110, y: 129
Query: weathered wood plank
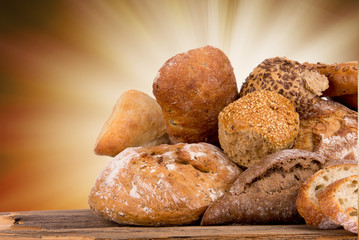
x: 83, y: 224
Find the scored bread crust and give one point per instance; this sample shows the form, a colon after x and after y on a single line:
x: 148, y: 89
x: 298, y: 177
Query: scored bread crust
x: 329, y: 129
x: 343, y: 77
x: 307, y: 202
x: 265, y: 193
x: 297, y: 82
x: 162, y: 185
x: 331, y: 205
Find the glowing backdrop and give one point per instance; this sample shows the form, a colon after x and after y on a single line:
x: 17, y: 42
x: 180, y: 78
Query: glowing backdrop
x: 63, y: 64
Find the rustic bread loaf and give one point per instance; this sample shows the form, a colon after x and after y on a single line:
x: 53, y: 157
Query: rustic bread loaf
x: 339, y: 201
x: 192, y: 88
x: 329, y: 129
x: 256, y: 125
x: 343, y: 77
x: 162, y: 185
x: 136, y: 120
x: 265, y: 193
x: 293, y: 80
x: 307, y: 201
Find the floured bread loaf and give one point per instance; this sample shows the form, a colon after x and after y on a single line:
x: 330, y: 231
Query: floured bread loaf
x: 293, y: 80
x: 192, y: 88
x: 329, y: 129
x: 307, y: 201
x: 266, y: 192
x: 162, y: 185
x: 339, y: 201
x: 136, y: 120
x: 258, y: 124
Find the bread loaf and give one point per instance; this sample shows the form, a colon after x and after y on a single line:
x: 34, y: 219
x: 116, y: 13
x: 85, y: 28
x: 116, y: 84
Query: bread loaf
x: 329, y: 129
x: 192, y: 88
x: 258, y: 124
x: 350, y: 100
x: 307, y: 201
x: 293, y: 80
x: 162, y: 185
x: 339, y: 201
x: 265, y: 193
x: 136, y: 120
x: 343, y: 77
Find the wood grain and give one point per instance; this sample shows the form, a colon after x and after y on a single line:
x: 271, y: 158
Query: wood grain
x: 83, y: 224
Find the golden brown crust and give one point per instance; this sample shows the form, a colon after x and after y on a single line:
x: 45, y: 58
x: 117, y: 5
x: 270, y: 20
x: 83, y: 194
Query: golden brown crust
x: 330, y: 204
x: 293, y: 80
x: 136, y: 120
x: 343, y: 77
x: 260, y: 123
x: 330, y: 129
x: 307, y: 203
x: 192, y: 88
x: 162, y: 185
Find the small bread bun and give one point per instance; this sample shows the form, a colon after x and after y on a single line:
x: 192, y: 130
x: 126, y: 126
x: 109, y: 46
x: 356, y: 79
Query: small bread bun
x: 260, y: 123
x: 343, y: 77
x: 136, y: 120
x: 162, y: 185
x: 192, y: 88
x: 293, y: 80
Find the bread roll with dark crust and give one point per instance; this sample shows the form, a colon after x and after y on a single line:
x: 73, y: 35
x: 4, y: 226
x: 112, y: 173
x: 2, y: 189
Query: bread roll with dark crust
x: 265, y: 193
x: 162, y: 185
x: 329, y: 129
x: 136, y: 120
x: 258, y: 124
x: 192, y: 88
x: 343, y: 77
x: 297, y: 82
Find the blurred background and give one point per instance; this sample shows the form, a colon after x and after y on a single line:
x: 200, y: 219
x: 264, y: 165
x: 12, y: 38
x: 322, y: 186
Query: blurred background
x: 63, y: 64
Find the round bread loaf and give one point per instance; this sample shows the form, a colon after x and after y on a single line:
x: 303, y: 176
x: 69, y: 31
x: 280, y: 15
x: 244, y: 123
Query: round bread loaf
x: 162, y: 185
x: 192, y: 88
x: 255, y: 125
x: 295, y: 81
x: 329, y: 129
x: 265, y: 193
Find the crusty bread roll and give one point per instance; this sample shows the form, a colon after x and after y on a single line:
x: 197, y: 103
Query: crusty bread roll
x: 307, y: 201
x: 192, y: 88
x: 329, y: 129
x: 136, y: 120
x: 256, y: 125
x: 339, y: 201
x: 265, y: 193
x: 162, y: 185
x: 293, y: 80
x: 343, y: 77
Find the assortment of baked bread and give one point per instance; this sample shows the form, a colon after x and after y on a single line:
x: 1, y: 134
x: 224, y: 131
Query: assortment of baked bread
x: 202, y: 152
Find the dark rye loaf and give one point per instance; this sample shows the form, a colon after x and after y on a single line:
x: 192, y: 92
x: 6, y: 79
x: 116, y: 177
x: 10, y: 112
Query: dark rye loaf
x: 266, y: 193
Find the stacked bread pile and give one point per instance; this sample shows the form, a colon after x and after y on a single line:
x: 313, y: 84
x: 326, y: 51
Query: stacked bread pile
x: 203, y: 152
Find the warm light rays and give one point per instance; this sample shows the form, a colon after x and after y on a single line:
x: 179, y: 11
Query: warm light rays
x: 61, y: 75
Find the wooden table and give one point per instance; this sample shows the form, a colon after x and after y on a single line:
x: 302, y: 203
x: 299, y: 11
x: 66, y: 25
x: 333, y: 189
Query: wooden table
x: 83, y: 224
